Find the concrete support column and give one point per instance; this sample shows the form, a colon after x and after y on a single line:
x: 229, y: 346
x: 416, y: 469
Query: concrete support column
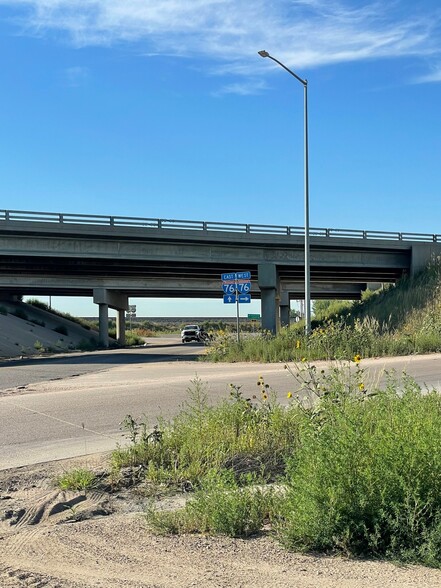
x: 267, y: 281
x: 268, y: 304
x: 121, y: 327
x: 285, y: 309
x: 110, y: 299
x: 104, y: 325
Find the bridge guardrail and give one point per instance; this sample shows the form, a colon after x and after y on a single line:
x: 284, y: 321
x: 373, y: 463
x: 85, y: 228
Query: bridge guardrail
x: 256, y: 229
x: 384, y: 235
x: 421, y: 237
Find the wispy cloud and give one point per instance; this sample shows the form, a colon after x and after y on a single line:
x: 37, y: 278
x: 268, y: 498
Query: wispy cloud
x: 434, y: 75
x: 74, y: 77
x: 244, y: 88
x: 302, y: 33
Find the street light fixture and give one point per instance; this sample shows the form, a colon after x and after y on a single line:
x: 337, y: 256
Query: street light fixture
x: 307, y: 261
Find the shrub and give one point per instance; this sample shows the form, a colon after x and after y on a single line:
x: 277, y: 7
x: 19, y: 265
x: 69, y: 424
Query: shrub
x: 38, y: 304
x: 132, y: 338
x: 366, y: 477
x: 323, y: 309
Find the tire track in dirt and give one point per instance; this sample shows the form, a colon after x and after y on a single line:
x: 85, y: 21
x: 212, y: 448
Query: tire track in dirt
x: 26, y: 529
x: 11, y: 577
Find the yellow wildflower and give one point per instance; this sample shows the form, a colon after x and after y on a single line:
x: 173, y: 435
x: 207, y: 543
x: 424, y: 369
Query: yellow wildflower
x: 297, y: 344
x: 361, y: 386
x: 289, y: 395
x: 357, y: 358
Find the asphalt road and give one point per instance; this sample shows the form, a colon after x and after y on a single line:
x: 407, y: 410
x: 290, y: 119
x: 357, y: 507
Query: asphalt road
x: 15, y: 372
x: 72, y: 405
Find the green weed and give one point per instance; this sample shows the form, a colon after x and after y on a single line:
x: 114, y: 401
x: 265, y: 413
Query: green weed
x: 38, y: 346
x: 220, y: 507
x: 77, y: 480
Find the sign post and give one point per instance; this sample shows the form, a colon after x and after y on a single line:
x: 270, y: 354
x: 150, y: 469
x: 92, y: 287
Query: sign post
x: 131, y: 313
x: 236, y: 287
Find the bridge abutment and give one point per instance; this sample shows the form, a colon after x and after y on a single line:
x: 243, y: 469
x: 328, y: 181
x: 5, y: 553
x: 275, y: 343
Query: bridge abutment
x: 422, y: 255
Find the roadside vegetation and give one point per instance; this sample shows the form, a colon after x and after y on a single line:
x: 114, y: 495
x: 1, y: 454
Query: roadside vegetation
x: 249, y: 435
x: 80, y: 321
x: 335, y: 467
x: 397, y: 320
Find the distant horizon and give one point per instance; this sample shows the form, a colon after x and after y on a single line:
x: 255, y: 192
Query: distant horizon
x: 83, y: 306
x: 188, y: 319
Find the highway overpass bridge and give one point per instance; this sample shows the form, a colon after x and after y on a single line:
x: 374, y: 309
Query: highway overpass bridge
x: 113, y: 258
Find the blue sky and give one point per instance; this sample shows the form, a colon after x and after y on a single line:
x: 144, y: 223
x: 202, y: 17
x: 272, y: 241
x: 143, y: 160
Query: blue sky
x: 162, y: 108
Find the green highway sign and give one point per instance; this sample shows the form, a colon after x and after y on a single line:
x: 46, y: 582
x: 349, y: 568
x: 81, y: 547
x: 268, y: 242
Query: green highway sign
x: 254, y: 316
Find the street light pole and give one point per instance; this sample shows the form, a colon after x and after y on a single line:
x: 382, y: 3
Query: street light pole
x: 306, y: 176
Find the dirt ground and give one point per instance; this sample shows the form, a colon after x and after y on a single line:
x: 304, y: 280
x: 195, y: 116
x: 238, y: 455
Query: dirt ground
x: 55, y: 539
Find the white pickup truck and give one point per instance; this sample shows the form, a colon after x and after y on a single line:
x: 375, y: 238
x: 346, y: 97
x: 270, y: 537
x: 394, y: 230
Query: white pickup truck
x: 193, y: 333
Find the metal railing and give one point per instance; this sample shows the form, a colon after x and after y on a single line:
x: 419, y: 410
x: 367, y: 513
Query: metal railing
x: 11, y: 216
